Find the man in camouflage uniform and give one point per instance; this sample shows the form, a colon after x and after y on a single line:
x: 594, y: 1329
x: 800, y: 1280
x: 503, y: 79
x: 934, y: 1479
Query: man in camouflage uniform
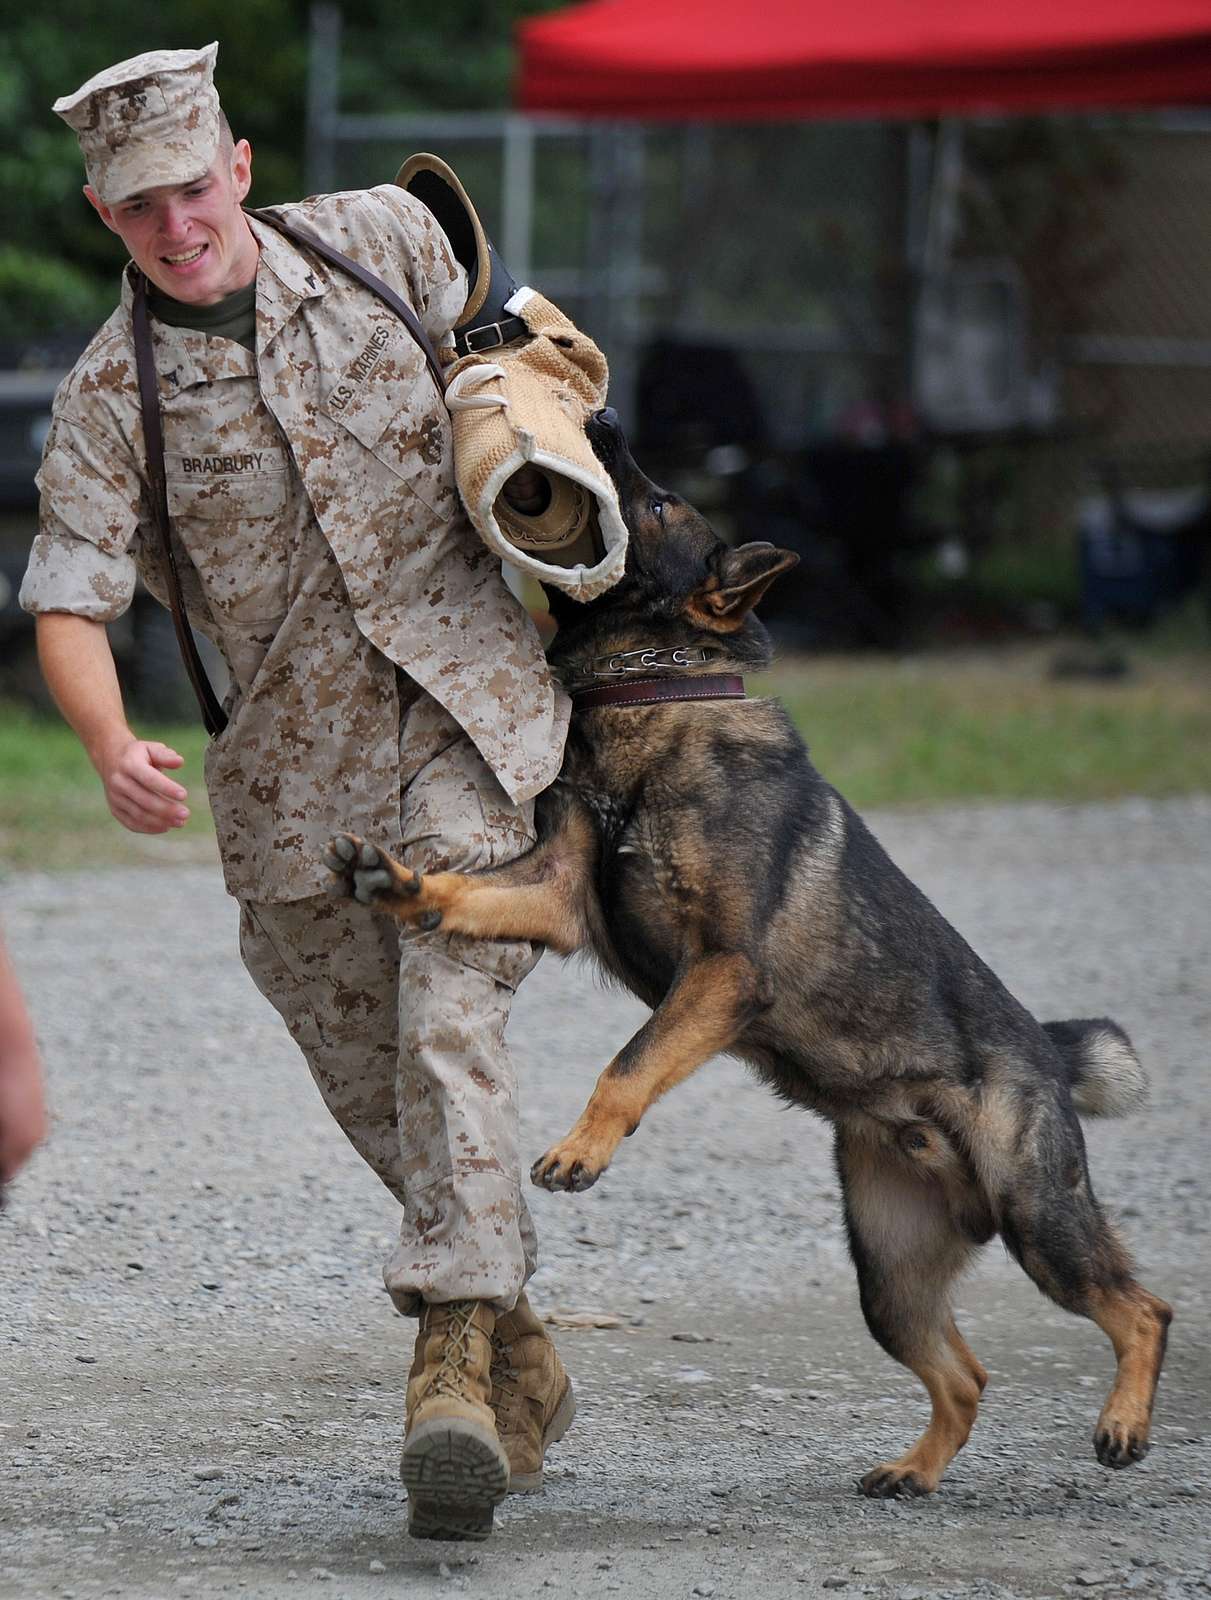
x: 383, y: 679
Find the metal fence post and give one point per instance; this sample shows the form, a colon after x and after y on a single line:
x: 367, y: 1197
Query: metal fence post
x: 323, y: 97
x: 517, y: 195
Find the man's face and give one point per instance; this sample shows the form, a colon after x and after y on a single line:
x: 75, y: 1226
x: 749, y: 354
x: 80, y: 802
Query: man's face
x: 191, y: 239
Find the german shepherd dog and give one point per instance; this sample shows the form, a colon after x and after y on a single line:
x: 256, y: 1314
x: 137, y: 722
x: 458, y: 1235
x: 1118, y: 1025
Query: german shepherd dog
x: 694, y: 850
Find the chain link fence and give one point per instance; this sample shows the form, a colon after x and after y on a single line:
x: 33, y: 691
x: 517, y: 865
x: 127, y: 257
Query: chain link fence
x: 882, y: 343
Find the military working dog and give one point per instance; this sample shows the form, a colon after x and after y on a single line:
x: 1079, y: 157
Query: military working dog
x: 693, y: 849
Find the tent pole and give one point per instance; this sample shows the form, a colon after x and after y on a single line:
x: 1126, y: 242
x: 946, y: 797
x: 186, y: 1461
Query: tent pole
x: 628, y: 314
x: 616, y: 167
x: 942, y: 221
x: 921, y: 180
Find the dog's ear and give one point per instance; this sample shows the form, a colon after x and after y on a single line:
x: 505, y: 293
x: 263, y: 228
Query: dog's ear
x: 730, y: 593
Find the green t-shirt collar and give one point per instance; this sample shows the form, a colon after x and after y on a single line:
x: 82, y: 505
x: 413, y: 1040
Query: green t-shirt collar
x: 232, y: 317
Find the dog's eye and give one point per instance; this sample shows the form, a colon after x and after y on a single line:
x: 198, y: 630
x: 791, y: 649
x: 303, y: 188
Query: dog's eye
x: 657, y: 510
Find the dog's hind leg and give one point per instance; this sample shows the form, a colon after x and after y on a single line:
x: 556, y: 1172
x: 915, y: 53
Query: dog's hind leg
x: 1053, y: 1225
x: 908, y: 1251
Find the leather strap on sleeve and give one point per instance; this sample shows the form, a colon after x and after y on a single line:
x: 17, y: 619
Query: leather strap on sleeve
x: 337, y: 258
x: 213, y: 714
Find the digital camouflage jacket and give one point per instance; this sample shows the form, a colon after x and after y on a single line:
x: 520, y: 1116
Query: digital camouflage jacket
x: 320, y: 539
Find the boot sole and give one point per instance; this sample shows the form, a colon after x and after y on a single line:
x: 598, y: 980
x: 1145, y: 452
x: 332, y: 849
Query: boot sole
x: 455, y: 1473
x: 565, y: 1411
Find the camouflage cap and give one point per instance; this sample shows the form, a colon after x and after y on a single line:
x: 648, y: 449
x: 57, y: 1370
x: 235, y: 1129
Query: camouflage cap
x: 148, y: 121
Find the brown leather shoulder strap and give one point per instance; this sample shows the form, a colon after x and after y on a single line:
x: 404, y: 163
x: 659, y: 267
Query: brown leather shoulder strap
x: 337, y: 258
x: 213, y: 714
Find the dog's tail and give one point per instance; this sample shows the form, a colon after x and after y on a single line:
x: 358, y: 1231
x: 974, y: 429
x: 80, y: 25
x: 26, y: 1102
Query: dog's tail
x: 1104, y: 1071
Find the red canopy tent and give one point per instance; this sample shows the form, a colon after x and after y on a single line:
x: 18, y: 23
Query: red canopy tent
x: 786, y: 60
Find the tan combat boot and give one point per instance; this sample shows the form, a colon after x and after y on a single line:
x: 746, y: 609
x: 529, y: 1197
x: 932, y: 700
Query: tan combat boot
x: 453, y: 1465
x: 531, y: 1394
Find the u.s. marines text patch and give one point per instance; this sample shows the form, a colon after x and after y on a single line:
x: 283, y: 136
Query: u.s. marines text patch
x: 360, y: 368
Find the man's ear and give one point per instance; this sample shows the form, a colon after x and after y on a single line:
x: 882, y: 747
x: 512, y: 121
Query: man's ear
x: 723, y: 601
x: 103, y: 211
x: 241, y: 169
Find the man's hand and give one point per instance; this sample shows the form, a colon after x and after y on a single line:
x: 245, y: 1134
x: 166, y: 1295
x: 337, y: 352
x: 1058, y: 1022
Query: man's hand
x: 79, y: 670
x: 139, y: 794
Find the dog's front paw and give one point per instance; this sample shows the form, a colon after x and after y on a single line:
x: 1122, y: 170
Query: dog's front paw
x: 567, y: 1166
x: 374, y: 878
x: 892, y: 1481
x: 1120, y: 1443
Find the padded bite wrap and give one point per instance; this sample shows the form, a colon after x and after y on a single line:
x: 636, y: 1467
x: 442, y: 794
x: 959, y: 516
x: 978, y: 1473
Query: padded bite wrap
x: 520, y: 392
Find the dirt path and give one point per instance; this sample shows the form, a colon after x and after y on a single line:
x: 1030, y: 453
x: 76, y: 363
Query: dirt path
x: 202, y: 1381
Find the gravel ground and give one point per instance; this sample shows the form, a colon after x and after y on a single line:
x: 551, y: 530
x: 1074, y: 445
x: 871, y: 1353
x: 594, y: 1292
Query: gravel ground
x: 202, y: 1379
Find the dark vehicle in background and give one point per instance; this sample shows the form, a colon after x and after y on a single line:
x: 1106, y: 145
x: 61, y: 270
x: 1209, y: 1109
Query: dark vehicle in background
x: 842, y: 503
x: 144, y: 646
x: 25, y: 401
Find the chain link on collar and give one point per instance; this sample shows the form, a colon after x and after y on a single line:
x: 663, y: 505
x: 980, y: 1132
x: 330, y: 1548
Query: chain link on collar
x: 653, y: 659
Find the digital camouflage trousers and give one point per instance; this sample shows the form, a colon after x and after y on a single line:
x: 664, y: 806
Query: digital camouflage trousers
x: 404, y: 1035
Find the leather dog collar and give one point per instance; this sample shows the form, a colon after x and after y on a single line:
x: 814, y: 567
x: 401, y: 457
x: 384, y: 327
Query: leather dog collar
x: 656, y: 691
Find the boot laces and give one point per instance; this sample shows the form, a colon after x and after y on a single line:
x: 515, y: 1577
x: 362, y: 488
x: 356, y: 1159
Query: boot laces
x: 503, y: 1367
x: 504, y: 1373
x: 451, y: 1375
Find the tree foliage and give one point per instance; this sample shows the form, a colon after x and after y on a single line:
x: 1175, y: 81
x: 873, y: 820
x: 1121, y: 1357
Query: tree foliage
x: 61, y: 266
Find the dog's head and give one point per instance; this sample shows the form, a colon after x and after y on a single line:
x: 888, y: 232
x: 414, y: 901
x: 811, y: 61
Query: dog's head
x: 676, y: 563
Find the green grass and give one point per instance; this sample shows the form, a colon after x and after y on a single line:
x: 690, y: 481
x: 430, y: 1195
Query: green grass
x: 925, y: 730
x: 994, y: 726
x: 52, y: 807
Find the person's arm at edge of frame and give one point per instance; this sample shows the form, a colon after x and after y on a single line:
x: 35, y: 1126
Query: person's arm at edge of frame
x: 23, y: 1124
x: 78, y: 666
